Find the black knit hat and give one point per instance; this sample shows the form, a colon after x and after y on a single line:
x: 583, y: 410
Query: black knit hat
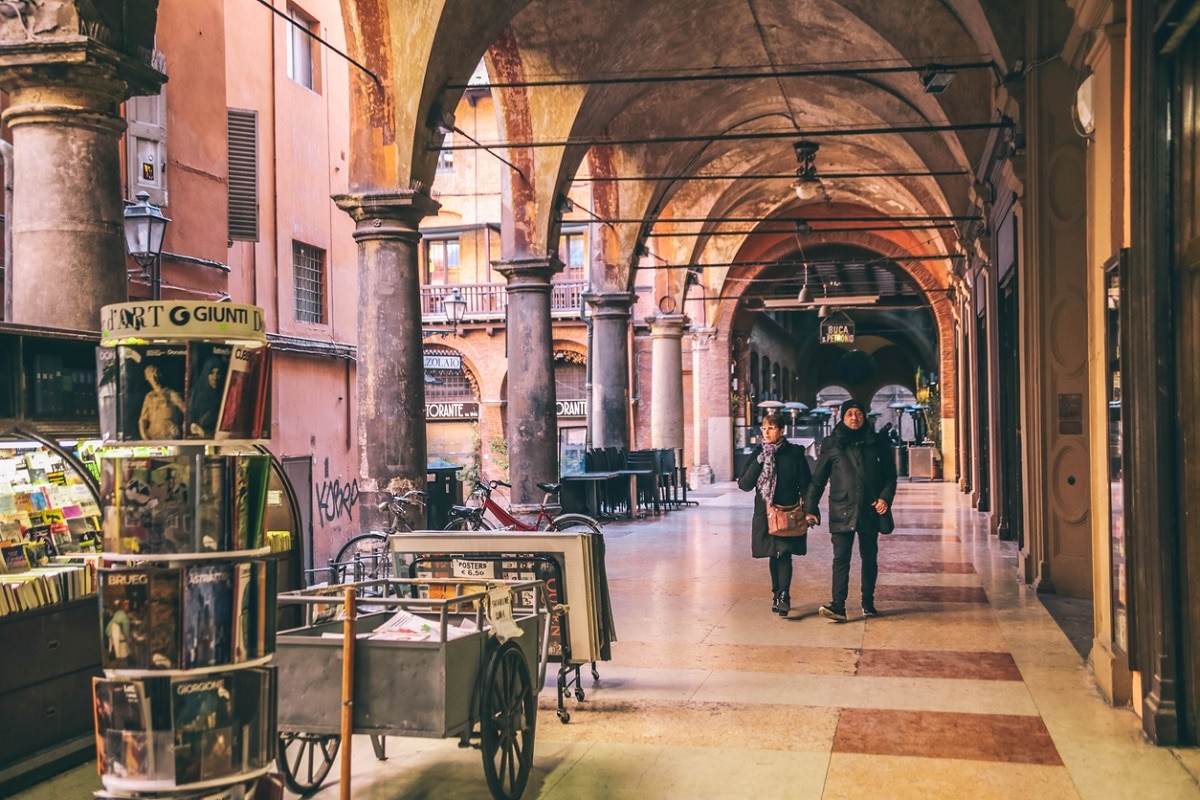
x: 849, y: 404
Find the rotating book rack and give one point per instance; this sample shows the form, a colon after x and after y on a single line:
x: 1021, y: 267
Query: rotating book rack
x: 188, y: 612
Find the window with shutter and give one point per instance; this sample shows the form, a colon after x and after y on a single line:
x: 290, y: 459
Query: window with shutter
x: 243, y: 175
x: 146, y: 143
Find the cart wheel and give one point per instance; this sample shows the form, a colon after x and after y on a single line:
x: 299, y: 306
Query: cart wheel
x: 305, y: 759
x: 507, y: 722
x: 579, y: 693
x: 564, y: 716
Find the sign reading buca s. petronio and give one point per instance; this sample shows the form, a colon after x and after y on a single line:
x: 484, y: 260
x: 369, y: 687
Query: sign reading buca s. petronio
x: 150, y: 320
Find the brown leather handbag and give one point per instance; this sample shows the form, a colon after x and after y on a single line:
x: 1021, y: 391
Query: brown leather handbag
x: 786, y: 520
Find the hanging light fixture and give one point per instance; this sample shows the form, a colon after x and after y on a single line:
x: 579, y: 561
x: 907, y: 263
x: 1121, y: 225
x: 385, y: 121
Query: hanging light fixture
x: 807, y: 184
x: 805, y: 293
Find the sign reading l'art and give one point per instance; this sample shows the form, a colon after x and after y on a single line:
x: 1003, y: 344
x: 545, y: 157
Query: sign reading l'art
x: 150, y: 320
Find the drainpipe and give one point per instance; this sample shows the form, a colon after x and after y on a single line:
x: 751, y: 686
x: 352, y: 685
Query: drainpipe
x: 6, y: 152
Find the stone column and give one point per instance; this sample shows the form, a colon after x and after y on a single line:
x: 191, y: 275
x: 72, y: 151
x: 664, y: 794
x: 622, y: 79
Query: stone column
x: 391, y: 359
x: 609, y: 409
x: 703, y: 411
x: 68, y: 216
x: 531, y: 413
x: 666, y: 391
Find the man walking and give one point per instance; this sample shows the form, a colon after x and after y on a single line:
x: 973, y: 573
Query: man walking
x: 860, y: 468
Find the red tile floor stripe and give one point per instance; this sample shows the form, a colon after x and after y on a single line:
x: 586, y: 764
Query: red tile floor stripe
x: 932, y: 594
x: 951, y: 664
x: 931, y: 734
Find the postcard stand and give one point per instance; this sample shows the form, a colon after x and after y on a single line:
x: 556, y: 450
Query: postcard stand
x: 186, y: 707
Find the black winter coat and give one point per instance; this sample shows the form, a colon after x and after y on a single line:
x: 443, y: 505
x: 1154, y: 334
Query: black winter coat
x: 858, y: 472
x: 792, y: 478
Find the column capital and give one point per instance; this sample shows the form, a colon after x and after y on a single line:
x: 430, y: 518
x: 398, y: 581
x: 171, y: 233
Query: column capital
x: 385, y: 214
x: 610, y: 305
x: 528, y: 274
x: 97, y: 74
x: 702, y: 336
x: 667, y: 326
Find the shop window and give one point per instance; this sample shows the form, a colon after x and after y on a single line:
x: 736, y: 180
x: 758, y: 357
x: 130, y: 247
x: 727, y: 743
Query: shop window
x: 146, y: 143
x: 308, y: 269
x: 442, y: 259
x: 301, y: 56
x: 572, y: 249
x: 243, y: 175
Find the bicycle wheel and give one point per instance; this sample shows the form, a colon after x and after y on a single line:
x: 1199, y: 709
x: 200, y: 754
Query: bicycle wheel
x: 365, y: 558
x: 573, y: 523
x: 469, y: 524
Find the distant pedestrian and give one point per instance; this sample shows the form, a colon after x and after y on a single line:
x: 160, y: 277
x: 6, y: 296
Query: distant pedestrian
x: 861, y: 470
x: 779, y: 474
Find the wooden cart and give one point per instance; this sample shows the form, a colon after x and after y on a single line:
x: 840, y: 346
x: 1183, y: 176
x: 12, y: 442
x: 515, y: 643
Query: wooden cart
x: 472, y: 686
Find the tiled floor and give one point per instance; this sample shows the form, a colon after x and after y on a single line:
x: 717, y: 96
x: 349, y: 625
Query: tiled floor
x: 965, y: 687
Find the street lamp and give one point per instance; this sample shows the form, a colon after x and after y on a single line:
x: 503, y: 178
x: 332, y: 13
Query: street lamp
x: 145, y: 226
x: 455, y: 306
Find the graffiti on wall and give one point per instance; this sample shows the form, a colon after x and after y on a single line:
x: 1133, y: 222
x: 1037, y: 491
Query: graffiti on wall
x: 336, y: 499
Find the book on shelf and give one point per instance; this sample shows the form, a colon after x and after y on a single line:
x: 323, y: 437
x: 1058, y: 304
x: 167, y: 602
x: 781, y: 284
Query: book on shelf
x: 157, y: 733
x: 124, y: 618
x: 236, y: 420
x: 151, y: 386
x: 208, y: 372
x: 207, y: 615
x: 242, y: 634
x: 204, y: 723
x: 123, y: 729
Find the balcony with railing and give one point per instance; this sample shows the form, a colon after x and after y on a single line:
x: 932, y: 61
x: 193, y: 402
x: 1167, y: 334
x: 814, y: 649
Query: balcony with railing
x: 489, y: 301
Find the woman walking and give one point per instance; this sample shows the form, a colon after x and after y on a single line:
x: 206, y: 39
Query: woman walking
x: 862, y: 469
x: 779, y: 474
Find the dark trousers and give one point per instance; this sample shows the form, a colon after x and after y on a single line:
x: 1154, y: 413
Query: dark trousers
x: 781, y: 573
x: 868, y: 550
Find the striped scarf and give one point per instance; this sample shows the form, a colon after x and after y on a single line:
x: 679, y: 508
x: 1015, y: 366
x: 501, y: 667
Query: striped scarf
x: 766, y: 478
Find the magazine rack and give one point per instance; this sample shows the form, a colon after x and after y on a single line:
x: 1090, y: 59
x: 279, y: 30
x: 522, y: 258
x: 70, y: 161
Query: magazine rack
x: 187, y: 702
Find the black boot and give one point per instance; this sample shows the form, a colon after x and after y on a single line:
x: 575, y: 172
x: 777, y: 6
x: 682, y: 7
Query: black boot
x: 784, y: 604
x: 774, y: 602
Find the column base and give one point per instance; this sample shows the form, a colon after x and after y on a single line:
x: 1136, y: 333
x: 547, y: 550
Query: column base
x: 1112, y: 673
x: 701, y: 475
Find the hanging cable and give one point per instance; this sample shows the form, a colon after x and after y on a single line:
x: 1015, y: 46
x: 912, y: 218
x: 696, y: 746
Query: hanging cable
x: 313, y: 36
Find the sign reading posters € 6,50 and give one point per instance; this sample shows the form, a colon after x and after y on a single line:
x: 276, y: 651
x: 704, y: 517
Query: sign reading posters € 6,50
x: 172, y: 320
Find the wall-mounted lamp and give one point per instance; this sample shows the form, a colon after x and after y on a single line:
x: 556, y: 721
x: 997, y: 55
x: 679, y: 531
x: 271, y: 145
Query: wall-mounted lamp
x: 564, y: 205
x: 455, y: 306
x: 807, y: 184
x: 145, y: 227
x: 936, y: 78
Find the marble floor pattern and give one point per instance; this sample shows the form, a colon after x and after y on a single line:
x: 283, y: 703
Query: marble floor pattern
x: 964, y: 687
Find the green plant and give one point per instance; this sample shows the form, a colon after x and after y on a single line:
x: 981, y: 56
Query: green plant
x: 499, y: 447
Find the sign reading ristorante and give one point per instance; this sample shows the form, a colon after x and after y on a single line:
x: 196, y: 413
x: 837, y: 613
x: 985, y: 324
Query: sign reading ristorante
x: 454, y: 410
x: 148, y: 320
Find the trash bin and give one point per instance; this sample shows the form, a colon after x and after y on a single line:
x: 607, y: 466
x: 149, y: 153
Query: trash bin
x: 445, y: 490
x: 902, y: 461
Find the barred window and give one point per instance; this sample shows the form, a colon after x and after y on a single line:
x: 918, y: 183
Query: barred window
x: 308, y: 270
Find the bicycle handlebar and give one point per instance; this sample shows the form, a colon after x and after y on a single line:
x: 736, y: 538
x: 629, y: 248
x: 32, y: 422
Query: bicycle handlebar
x: 413, y: 497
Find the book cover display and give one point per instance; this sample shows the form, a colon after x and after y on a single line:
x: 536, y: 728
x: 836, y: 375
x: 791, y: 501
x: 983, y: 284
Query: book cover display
x: 187, y: 601
x: 49, y: 519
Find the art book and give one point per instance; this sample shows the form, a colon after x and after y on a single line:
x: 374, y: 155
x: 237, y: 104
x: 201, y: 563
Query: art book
x: 253, y: 691
x: 213, y: 522
x: 208, y: 371
x: 243, y: 611
x: 204, y: 723
x: 107, y: 393
x: 171, y: 523
x: 165, y: 643
x: 236, y: 420
x: 124, y: 597
x: 207, y: 615
x: 151, y: 385
x: 123, y: 729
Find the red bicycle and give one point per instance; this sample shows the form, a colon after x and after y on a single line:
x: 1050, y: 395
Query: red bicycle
x: 471, y: 517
